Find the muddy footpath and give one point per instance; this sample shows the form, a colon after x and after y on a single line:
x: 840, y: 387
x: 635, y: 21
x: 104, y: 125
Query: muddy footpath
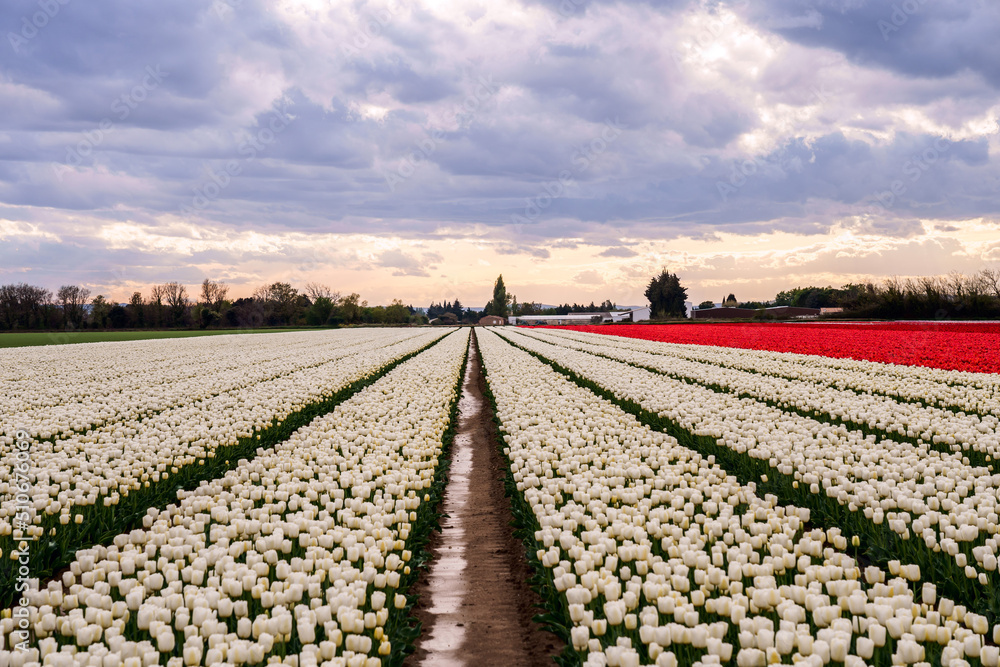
x: 475, y: 605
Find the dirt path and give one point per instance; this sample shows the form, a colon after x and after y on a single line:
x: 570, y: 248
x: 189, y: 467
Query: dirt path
x: 475, y: 604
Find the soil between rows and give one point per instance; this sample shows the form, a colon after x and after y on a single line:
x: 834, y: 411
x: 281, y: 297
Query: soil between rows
x: 475, y: 604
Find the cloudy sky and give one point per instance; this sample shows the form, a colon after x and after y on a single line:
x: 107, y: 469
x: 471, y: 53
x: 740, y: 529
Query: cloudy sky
x: 418, y: 149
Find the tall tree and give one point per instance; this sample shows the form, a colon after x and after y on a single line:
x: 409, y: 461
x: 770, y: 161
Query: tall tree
x: 350, y: 307
x: 666, y: 296
x: 177, y: 299
x: 99, y: 309
x: 499, y: 305
x: 157, y: 295
x: 135, y: 310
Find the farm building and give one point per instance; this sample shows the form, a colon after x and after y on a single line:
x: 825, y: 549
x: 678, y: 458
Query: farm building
x: 491, y: 321
x: 634, y: 315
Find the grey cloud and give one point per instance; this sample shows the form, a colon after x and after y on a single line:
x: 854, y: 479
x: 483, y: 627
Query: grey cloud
x: 401, y: 81
x: 523, y: 249
x: 617, y: 251
x: 917, y: 38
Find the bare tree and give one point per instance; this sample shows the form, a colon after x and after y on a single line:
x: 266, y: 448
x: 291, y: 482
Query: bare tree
x: 157, y: 295
x: 213, y: 293
x: 72, y: 299
x: 976, y: 286
x: 177, y: 299
x: 991, y: 281
x: 280, y: 301
x: 320, y: 291
x: 957, y: 285
x: 176, y: 295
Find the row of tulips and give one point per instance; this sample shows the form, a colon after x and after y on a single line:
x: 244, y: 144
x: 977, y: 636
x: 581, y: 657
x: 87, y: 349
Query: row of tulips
x: 95, y: 384
x: 965, y: 346
x: 958, y: 391
x: 300, y: 556
x: 974, y: 436
x: 89, y: 487
x: 653, y: 554
x: 885, y: 492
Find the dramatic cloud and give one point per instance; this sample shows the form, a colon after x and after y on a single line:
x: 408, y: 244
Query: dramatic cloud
x: 415, y: 149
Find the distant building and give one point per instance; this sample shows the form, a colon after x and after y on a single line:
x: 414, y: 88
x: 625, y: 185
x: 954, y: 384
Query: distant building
x: 793, y: 312
x: 723, y: 313
x: 830, y: 311
x: 633, y: 315
x: 491, y: 321
x: 776, y: 312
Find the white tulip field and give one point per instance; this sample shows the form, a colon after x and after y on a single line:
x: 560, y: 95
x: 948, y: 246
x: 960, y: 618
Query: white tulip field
x: 267, y: 499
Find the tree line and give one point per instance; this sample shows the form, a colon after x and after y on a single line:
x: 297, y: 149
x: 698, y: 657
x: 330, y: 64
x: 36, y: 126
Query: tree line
x: 169, y: 305
x: 27, y: 307
x: 953, y: 296
x: 452, y: 312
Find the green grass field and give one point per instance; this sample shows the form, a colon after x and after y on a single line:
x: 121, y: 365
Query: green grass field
x: 63, y: 337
